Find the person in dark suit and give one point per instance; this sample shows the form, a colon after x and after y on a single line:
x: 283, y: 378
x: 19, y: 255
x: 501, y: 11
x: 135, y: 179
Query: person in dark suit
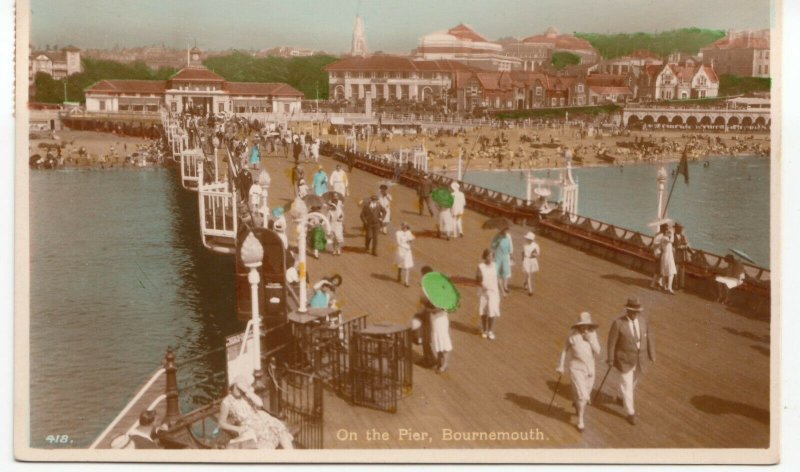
x: 372, y: 215
x: 630, y: 349
x: 424, y: 194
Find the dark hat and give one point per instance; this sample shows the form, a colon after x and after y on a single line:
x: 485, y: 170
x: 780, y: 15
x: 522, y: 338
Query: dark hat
x: 633, y: 304
x: 678, y: 225
x: 374, y: 197
x: 384, y: 187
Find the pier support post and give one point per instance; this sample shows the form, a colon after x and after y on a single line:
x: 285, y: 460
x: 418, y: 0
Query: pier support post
x: 173, y: 407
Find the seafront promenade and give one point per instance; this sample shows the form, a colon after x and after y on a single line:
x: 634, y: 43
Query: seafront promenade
x: 708, y: 388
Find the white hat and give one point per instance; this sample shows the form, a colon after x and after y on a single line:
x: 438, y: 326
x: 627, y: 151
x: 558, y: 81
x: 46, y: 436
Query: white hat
x: 585, y: 319
x: 530, y: 236
x: 244, y: 382
x: 454, y: 185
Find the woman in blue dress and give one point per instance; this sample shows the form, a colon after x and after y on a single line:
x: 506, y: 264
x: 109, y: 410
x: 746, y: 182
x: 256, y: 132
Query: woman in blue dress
x: 320, y: 182
x: 255, y: 158
x: 502, y: 248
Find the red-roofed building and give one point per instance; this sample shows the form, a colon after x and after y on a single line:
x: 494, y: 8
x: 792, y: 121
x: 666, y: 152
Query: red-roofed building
x: 557, y: 42
x: 678, y: 82
x: 193, y: 87
x: 461, y: 43
x: 384, y: 77
x: 742, y: 53
x: 518, y: 90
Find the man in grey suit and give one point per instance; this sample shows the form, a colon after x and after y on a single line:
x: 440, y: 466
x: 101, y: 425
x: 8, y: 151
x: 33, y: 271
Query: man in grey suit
x: 630, y: 349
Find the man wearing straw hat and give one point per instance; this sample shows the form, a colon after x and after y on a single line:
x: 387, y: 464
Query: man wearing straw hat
x: 630, y: 349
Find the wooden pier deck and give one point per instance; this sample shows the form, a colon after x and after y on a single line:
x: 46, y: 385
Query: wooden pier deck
x: 709, y: 388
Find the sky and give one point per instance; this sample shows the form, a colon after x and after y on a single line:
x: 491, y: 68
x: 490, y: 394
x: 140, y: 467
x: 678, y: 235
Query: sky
x: 390, y: 26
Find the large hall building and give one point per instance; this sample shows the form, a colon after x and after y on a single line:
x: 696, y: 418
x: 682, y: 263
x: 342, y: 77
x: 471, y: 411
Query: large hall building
x: 461, y: 43
x: 193, y: 88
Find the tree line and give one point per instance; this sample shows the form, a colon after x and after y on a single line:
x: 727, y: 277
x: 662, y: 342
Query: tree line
x: 688, y: 40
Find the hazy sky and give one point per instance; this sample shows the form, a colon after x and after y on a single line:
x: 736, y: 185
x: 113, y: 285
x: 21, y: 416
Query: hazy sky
x: 392, y: 26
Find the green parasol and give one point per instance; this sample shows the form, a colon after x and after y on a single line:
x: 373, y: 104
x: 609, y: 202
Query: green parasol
x: 442, y: 197
x: 440, y: 291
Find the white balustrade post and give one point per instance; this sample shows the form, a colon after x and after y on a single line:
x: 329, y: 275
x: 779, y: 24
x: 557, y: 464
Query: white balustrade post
x: 299, y: 212
x: 252, y: 254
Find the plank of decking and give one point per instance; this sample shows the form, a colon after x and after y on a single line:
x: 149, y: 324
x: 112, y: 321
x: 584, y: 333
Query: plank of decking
x: 709, y: 387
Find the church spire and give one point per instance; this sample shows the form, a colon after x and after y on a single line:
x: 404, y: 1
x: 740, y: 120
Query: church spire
x: 359, y: 46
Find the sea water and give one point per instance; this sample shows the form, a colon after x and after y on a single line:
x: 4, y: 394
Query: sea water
x: 725, y: 205
x: 117, y: 274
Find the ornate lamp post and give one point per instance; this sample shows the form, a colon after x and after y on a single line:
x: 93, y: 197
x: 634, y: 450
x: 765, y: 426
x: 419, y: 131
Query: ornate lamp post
x: 252, y: 254
x: 303, y: 219
x: 299, y: 212
x: 264, y: 181
x: 661, y: 180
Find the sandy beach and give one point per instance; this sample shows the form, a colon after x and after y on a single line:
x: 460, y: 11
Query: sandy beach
x: 523, y: 148
x: 101, y: 149
x: 507, y: 148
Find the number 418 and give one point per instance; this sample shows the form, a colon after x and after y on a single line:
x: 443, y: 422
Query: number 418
x: 57, y: 438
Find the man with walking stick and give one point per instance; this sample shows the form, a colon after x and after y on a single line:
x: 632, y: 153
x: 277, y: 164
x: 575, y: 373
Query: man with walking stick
x: 630, y: 349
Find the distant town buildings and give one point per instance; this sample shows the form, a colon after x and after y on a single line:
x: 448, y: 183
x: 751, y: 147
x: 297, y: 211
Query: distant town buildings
x: 625, y: 64
x: 285, y: 51
x: 538, y: 49
x: 359, y: 44
x: 192, y: 88
x: 55, y: 63
x: 742, y: 53
x: 154, y: 57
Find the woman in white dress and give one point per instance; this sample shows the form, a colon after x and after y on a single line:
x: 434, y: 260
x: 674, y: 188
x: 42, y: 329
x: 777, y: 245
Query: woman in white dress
x: 530, y: 260
x: 489, y: 301
x: 579, y: 352
x: 667, y: 261
x: 241, y: 412
x: 336, y: 218
x: 446, y: 223
x: 405, y: 260
x: 441, y: 344
x: 664, y: 252
x: 459, y: 203
x: 385, y: 201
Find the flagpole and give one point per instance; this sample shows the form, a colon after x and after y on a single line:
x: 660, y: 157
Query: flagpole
x: 681, y: 163
x: 664, y: 213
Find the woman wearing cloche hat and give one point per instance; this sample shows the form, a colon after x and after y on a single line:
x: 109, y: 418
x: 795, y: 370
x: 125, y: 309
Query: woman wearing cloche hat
x: 530, y: 260
x: 579, y: 352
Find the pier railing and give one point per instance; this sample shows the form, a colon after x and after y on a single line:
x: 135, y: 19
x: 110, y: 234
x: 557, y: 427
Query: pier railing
x: 612, y: 242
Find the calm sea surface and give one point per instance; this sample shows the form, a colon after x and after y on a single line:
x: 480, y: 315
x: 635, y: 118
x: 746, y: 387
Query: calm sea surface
x: 118, y: 273
x: 725, y: 205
